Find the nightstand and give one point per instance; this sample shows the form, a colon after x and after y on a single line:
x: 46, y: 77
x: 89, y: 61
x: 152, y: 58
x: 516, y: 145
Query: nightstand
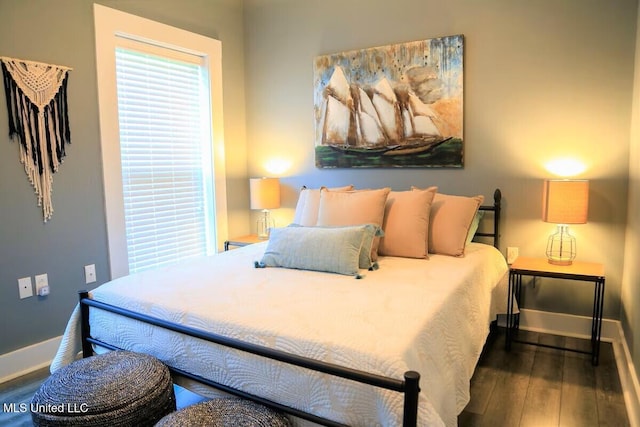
x: 242, y: 241
x: 540, y: 267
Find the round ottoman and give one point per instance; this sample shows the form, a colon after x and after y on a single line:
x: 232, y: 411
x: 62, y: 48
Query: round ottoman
x: 119, y: 388
x: 225, y: 412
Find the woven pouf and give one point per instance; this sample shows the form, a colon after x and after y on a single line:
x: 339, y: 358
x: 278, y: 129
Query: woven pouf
x: 225, y: 412
x: 118, y: 388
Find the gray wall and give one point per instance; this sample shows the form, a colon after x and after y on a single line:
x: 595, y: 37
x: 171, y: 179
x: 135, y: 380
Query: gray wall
x: 631, y: 277
x: 61, y: 32
x: 543, y: 79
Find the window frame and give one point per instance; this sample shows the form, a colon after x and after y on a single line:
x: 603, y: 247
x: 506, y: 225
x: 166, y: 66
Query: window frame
x: 110, y: 26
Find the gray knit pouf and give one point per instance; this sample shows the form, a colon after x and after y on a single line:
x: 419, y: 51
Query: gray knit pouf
x: 119, y: 388
x: 225, y: 412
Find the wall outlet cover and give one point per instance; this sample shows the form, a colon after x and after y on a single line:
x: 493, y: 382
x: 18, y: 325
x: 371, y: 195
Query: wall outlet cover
x: 90, y: 273
x: 25, y: 287
x: 42, y: 281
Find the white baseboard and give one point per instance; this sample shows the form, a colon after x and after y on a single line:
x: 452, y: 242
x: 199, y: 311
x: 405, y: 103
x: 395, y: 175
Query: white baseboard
x: 566, y: 324
x: 28, y: 359
x: 580, y: 327
x: 628, y: 378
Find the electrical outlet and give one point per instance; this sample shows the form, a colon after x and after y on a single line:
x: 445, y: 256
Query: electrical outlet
x: 25, y: 287
x: 512, y: 254
x: 90, y: 273
x: 42, y: 284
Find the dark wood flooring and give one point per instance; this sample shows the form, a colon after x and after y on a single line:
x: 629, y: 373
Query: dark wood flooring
x: 19, y: 391
x: 528, y: 386
x: 533, y: 386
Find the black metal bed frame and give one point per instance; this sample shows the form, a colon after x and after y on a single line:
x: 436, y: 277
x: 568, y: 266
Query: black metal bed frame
x: 495, y: 208
x: 409, y: 385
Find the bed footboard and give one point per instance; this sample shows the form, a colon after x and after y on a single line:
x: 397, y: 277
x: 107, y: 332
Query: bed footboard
x: 409, y: 386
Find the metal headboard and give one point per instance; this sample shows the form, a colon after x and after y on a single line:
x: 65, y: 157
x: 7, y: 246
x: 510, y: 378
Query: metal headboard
x: 495, y: 208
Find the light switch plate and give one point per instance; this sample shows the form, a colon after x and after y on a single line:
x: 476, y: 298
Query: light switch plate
x: 512, y: 254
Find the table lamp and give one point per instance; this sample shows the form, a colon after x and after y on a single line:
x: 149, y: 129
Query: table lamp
x: 564, y: 202
x: 265, y: 195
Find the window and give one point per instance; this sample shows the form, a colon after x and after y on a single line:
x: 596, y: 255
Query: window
x: 165, y: 157
x: 161, y: 130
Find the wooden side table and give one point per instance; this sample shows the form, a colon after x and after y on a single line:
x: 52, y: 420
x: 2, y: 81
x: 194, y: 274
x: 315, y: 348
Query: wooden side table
x: 540, y: 267
x: 249, y: 239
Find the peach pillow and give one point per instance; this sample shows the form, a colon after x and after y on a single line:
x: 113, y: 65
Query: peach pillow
x: 308, y: 203
x: 449, y: 223
x: 353, y: 208
x: 406, y: 223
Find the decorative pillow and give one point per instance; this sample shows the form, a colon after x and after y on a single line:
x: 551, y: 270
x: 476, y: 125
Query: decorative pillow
x: 474, y: 226
x: 371, y: 231
x: 353, y: 208
x: 331, y: 249
x: 449, y: 223
x: 406, y: 223
x: 308, y: 203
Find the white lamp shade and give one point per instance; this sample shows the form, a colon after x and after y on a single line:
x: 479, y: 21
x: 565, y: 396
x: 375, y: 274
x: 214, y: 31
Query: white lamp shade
x: 265, y: 193
x: 565, y: 201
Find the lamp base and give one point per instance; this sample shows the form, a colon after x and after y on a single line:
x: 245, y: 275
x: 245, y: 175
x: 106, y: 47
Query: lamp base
x: 560, y: 261
x: 561, y: 246
x: 265, y: 224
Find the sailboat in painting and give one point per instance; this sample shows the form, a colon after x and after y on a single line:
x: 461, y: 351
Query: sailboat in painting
x: 379, y: 119
x: 338, y: 113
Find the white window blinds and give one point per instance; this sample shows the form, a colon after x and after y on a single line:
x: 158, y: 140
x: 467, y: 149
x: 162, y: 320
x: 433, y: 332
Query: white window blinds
x: 165, y: 148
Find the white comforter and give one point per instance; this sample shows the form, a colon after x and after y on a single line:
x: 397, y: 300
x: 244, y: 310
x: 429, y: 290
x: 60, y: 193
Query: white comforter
x: 429, y: 316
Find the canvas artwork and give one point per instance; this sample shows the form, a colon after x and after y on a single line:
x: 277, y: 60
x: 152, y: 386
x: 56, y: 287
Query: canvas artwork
x: 399, y: 105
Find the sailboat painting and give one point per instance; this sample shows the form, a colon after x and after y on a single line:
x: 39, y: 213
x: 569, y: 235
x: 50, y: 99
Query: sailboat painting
x: 399, y: 105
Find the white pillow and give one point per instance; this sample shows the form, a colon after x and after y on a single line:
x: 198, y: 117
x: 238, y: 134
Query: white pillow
x: 309, y: 203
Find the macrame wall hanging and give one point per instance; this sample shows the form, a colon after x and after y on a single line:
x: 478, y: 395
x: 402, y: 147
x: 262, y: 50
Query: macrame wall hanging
x: 38, y: 117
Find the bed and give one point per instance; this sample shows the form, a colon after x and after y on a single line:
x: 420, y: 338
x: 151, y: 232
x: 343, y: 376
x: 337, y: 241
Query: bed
x: 396, y: 347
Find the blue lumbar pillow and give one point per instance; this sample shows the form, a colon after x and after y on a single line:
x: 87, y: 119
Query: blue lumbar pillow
x: 342, y: 250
